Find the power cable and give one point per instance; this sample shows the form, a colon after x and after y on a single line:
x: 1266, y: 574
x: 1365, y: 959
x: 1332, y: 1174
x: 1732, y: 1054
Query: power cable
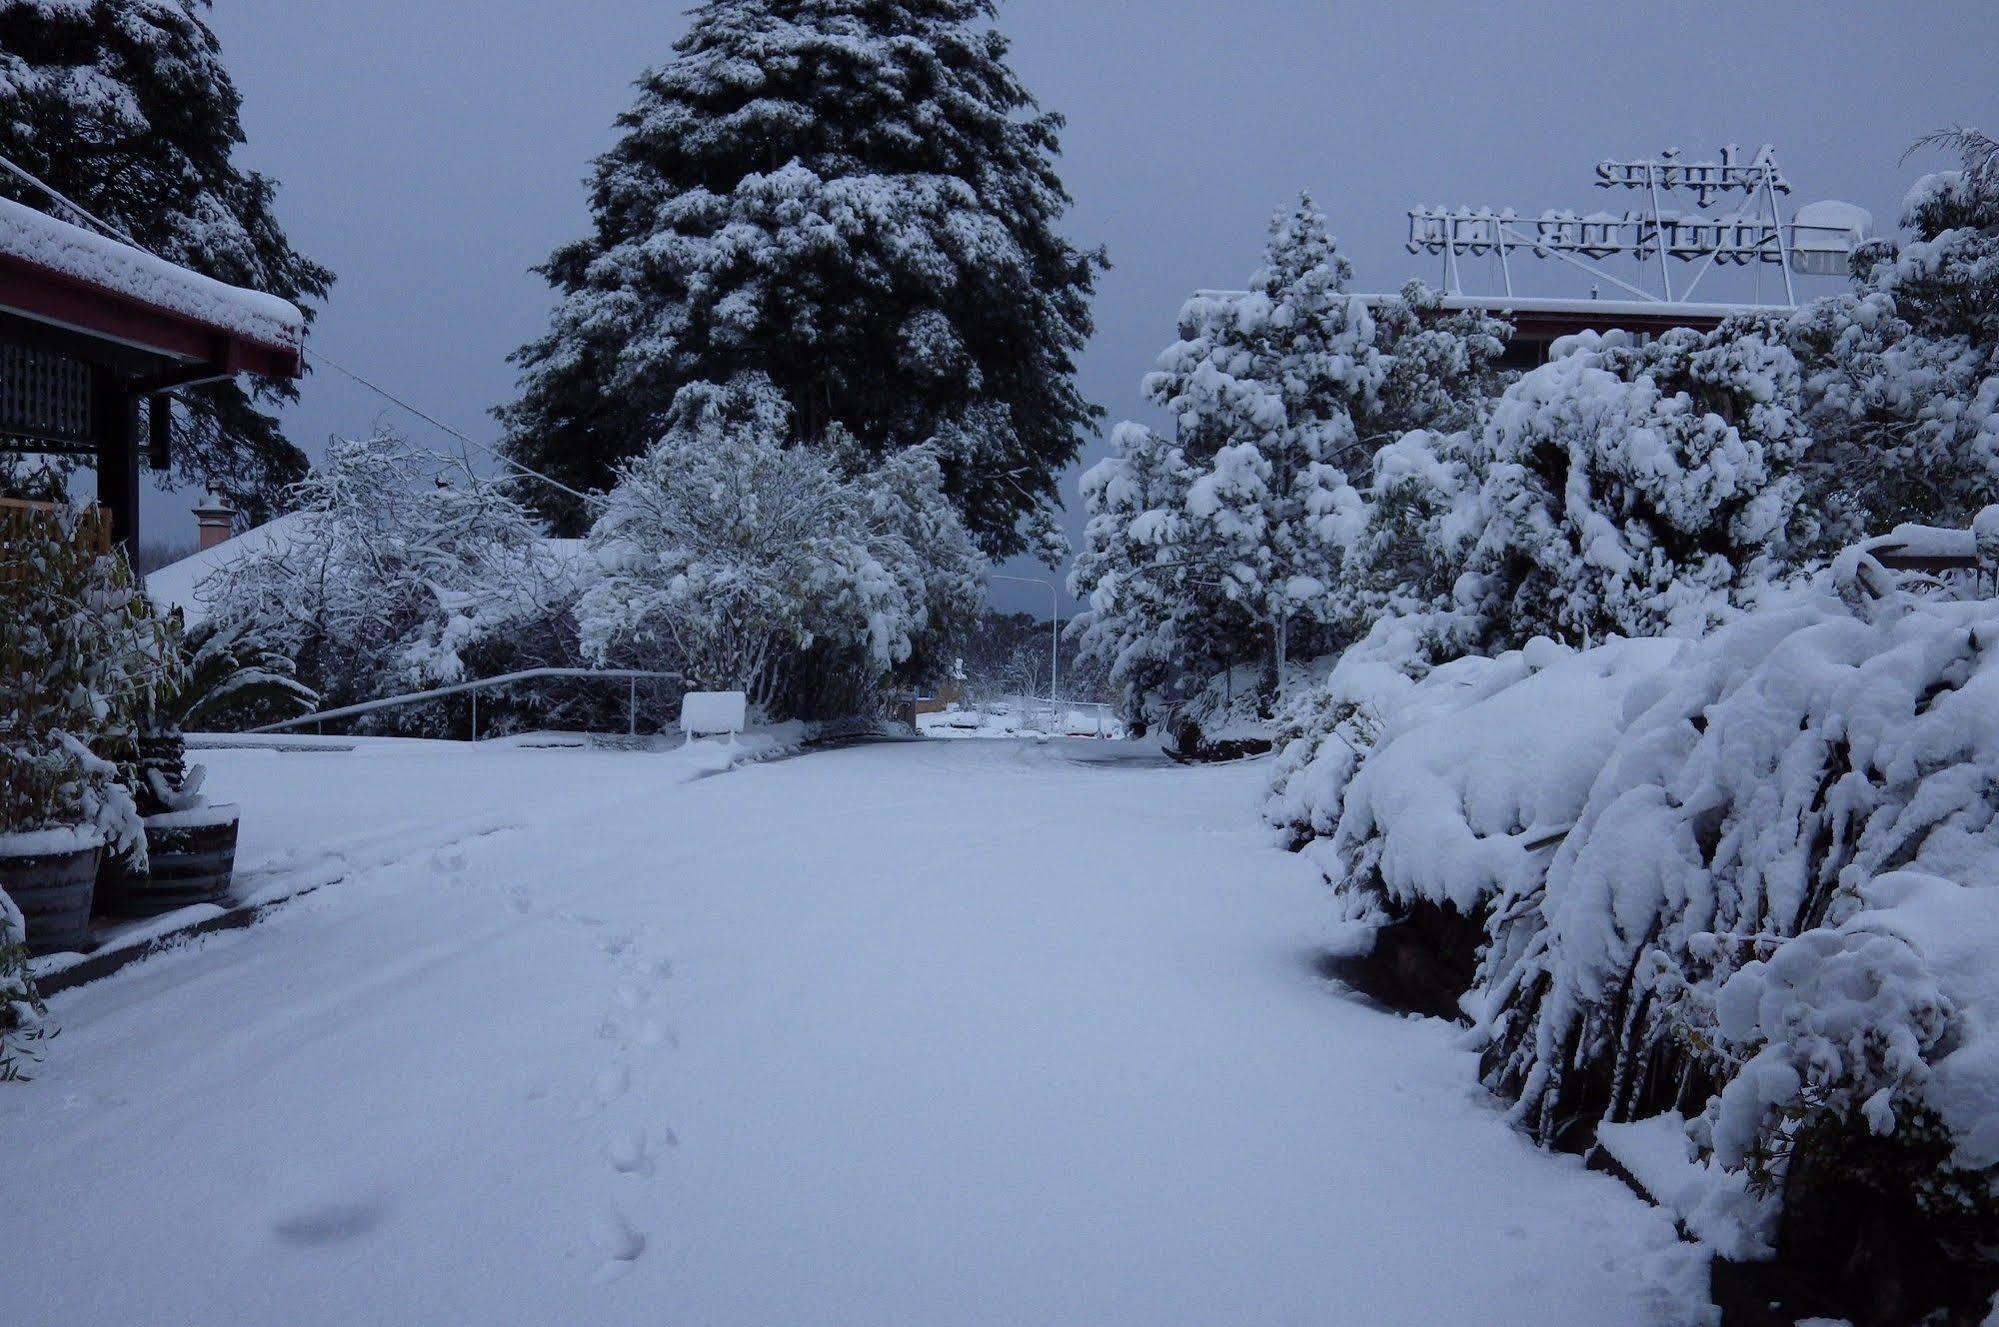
x: 314, y: 352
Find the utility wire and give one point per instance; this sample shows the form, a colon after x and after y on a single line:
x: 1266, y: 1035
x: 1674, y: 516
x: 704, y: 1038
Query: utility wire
x: 74, y: 206
x: 321, y: 357
x: 21, y: 172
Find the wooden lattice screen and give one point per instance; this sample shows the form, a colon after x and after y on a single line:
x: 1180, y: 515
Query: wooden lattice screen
x: 45, y: 402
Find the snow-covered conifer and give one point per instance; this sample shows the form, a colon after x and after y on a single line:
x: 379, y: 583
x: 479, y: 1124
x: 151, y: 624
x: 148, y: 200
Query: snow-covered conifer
x: 1149, y: 617
x: 1244, y: 523
x: 1902, y: 373
x: 125, y: 106
x: 855, y: 199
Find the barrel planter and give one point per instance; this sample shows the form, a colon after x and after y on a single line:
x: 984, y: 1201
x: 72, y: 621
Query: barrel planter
x: 191, y: 856
x: 51, y: 875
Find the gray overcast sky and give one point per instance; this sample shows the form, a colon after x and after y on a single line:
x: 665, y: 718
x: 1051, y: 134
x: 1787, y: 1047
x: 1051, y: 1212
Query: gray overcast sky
x: 431, y: 151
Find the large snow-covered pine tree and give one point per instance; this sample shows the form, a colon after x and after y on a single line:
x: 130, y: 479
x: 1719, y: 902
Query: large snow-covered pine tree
x: 857, y: 200
x: 125, y: 106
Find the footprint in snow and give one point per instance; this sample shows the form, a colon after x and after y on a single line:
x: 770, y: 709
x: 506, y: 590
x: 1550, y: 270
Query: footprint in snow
x: 617, y: 1243
x: 612, y: 1082
x: 633, y: 1151
x: 330, y: 1221
x: 630, y: 1153
x: 653, y: 1034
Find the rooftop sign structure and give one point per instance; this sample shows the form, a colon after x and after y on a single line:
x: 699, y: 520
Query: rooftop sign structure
x: 1818, y: 240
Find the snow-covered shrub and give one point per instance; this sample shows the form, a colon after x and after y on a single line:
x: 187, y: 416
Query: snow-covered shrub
x: 21, y: 1011
x: 1432, y: 801
x: 1225, y: 545
x: 82, y: 659
x: 1778, y: 907
x: 1902, y: 373
x: 396, y: 568
x: 226, y: 675
x: 1633, y: 489
x: 1333, y: 727
x: 1232, y: 714
x: 753, y: 565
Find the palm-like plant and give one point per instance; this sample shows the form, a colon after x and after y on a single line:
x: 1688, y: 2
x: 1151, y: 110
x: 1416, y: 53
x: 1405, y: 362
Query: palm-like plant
x: 230, y: 675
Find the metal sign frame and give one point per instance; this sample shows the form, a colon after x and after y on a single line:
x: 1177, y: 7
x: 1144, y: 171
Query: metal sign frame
x: 1754, y: 233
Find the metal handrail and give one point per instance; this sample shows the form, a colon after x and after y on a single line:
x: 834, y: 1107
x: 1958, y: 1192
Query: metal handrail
x: 631, y: 675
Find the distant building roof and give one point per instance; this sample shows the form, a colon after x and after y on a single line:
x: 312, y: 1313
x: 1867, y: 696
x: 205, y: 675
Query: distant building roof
x: 179, y: 584
x: 1531, y: 315
x: 1601, y: 315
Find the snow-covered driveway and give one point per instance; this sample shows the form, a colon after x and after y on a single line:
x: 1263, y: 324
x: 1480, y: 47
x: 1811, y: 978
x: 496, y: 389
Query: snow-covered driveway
x: 935, y: 1033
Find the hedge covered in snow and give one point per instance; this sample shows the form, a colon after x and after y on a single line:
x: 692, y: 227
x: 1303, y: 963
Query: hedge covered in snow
x: 1752, y: 878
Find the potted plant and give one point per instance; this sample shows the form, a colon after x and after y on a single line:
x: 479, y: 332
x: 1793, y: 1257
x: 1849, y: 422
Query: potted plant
x: 50, y: 843
x: 21, y: 1011
x: 190, y: 852
x: 79, y: 658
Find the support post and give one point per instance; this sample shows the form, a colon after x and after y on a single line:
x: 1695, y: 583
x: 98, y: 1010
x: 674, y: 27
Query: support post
x: 475, y: 716
x: 1783, y: 247
x: 115, y: 415
x: 159, y: 432
x: 1054, y: 643
x: 632, y: 708
x: 1659, y: 230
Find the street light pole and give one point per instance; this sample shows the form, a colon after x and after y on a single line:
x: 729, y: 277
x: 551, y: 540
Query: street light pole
x: 1054, y: 628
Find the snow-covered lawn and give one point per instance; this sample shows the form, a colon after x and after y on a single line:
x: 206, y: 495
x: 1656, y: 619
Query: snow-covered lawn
x: 929, y: 1033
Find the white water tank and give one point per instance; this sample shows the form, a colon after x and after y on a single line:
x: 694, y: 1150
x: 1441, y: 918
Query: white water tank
x: 1825, y: 234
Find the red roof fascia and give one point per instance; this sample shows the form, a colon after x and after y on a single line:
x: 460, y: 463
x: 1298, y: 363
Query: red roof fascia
x: 55, y: 297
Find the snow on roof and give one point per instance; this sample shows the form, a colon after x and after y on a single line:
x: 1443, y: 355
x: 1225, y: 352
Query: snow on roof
x: 71, y: 251
x: 179, y: 584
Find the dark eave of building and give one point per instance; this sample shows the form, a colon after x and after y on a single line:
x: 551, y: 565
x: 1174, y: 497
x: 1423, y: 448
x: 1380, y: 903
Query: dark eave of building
x: 124, y: 333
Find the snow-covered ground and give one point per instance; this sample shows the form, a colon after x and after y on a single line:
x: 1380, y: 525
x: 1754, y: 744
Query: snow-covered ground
x: 1022, y: 716
x: 926, y: 1033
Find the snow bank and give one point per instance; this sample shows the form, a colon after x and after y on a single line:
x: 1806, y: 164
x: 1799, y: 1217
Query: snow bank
x: 73, y: 252
x: 1714, y: 1205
